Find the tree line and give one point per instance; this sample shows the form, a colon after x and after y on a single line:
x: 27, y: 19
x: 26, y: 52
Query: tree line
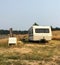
x: 55, y: 29
x: 22, y: 32
x: 14, y: 32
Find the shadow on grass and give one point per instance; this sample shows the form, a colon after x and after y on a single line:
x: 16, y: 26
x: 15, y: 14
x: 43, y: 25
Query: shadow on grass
x: 34, y: 42
x: 56, y: 39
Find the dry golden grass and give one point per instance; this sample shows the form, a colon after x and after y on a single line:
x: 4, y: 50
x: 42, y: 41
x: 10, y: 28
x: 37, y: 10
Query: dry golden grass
x: 3, y: 40
x: 56, y: 35
x: 31, y: 54
x: 26, y: 53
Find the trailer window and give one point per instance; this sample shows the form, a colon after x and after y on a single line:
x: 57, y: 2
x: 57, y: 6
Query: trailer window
x: 42, y: 30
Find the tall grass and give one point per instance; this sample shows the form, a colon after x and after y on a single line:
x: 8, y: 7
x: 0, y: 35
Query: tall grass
x: 26, y: 53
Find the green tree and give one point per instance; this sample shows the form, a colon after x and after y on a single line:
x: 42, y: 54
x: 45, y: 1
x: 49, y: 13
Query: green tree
x: 35, y: 24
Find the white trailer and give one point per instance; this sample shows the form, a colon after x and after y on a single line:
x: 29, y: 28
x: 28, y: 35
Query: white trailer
x: 37, y: 33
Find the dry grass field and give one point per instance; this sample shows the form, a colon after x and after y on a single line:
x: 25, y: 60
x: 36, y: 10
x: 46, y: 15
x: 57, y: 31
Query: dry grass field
x: 29, y: 53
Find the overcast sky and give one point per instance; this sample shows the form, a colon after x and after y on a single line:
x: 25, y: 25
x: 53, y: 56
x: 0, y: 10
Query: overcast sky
x: 21, y: 14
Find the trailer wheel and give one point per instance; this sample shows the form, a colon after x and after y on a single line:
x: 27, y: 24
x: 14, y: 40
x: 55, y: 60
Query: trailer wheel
x: 43, y: 40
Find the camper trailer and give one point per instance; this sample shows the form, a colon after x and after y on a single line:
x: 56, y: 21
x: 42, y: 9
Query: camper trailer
x: 37, y: 33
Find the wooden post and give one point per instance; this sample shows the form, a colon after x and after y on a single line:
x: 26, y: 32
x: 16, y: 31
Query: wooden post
x: 11, y: 32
